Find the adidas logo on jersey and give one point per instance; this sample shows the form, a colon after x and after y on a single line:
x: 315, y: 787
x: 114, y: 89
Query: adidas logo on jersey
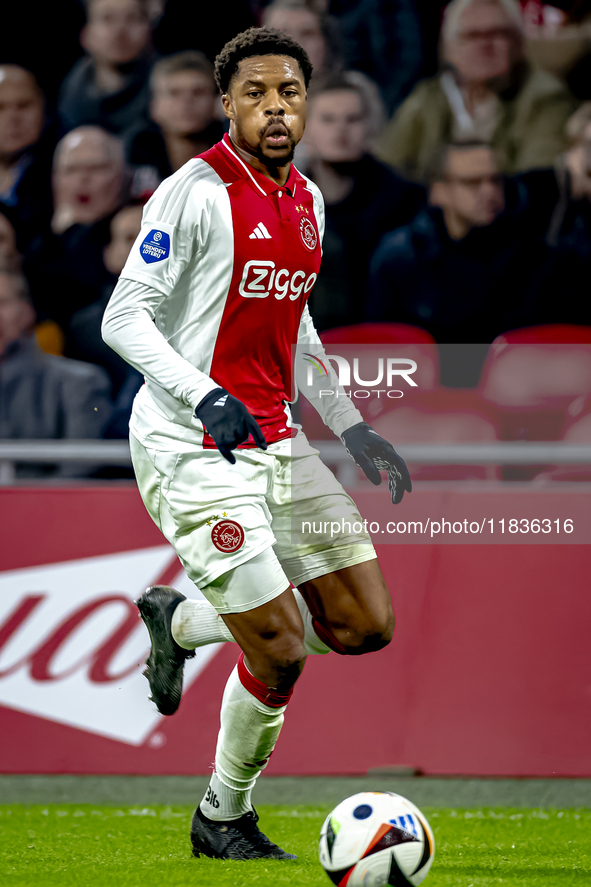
x: 222, y: 401
x: 260, y: 233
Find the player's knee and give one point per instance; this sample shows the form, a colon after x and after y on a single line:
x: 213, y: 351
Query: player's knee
x: 371, y: 634
x: 286, y: 657
x: 381, y: 635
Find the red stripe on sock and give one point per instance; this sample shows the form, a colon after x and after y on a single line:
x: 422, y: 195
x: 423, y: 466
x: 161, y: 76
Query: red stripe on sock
x: 327, y: 638
x: 266, y: 695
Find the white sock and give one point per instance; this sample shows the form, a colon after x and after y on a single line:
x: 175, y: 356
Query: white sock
x: 196, y: 623
x: 312, y: 643
x: 248, y: 733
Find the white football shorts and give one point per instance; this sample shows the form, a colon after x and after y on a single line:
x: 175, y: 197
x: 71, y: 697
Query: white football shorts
x: 218, y: 516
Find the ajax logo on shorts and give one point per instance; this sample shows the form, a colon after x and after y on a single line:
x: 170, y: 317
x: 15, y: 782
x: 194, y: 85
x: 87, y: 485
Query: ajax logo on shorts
x: 227, y: 536
x: 260, y: 279
x: 155, y: 247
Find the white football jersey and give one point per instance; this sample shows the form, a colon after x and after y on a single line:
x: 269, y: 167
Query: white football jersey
x: 214, y: 294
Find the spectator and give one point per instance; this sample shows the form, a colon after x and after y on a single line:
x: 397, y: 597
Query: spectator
x: 84, y: 340
x: 314, y: 30
x: 124, y: 229
x: 49, y: 336
x: 363, y: 197
x: 109, y: 86
x: 42, y: 396
x: 10, y: 259
x: 26, y: 147
x: 42, y: 41
x: 460, y: 269
x: 559, y: 294
x: 383, y: 39
x: 576, y: 175
x: 469, y: 189
x: 487, y: 91
x: 89, y: 182
x: 183, y: 110
x: 185, y: 25
x: 88, y: 177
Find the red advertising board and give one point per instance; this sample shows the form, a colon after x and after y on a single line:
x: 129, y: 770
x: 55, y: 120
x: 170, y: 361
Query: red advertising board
x: 488, y: 673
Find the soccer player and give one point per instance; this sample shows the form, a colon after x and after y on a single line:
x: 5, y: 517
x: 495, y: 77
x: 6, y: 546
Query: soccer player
x: 210, y: 301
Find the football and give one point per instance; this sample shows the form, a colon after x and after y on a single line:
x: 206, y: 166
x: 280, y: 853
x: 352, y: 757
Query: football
x: 373, y: 839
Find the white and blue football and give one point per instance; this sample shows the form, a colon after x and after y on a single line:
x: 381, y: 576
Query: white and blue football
x: 374, y: 839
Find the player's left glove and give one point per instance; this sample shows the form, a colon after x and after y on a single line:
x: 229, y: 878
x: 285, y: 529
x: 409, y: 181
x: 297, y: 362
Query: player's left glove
x: 374, y: 454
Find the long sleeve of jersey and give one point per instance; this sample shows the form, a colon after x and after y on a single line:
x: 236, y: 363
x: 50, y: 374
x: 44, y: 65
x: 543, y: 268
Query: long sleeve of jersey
x: 129, y: 329
x: 213, y: 293
x: 336, y: 409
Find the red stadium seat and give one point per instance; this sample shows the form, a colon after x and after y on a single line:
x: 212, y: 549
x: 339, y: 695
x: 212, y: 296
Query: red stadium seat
x: 378, y: 333
x: 547, y: 334
x: 577, y: 431
x: 532, y: 375
x: 446, y: 415
x: 578, y: 422
x: 361, y: 342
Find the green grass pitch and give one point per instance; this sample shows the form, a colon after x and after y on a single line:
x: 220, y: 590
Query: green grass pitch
x: 73, y: 844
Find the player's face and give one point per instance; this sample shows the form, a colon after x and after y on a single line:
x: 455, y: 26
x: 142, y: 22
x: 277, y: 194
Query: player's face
x: 266, y: 104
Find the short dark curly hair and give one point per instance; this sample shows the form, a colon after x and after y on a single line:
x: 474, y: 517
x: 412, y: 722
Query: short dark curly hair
x: 258, y: 41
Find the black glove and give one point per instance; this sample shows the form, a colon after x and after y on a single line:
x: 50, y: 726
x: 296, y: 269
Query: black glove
x: 374, y: 454
x: 228, y: 421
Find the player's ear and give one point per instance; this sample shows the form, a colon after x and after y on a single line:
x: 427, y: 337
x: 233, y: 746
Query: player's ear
x: 228, y: 106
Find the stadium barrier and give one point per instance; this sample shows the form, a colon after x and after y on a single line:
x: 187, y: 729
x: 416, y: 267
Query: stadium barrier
x: 116, y: 452
x: 488, y: 672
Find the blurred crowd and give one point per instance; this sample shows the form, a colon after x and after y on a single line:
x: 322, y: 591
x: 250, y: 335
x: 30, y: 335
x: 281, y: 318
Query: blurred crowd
x: 451, y: 142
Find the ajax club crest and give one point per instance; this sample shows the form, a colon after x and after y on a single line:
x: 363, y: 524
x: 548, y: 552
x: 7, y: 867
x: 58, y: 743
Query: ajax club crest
x: 308, y: 233
x: 228, y: 536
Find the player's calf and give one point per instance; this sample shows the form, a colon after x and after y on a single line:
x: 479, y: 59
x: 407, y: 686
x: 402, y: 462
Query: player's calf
x: 272, y: 640
x: 255, y: 699
x: 279, y: 663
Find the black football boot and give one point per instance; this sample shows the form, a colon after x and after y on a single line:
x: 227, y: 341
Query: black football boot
x: 166, y: 660
x: 236, y: 839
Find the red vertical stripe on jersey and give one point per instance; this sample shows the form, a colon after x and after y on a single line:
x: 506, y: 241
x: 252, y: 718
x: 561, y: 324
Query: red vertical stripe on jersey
x: 276, y: 262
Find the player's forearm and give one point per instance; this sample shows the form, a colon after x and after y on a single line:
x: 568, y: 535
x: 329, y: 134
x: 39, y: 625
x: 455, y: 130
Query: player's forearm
x: 128, y: 328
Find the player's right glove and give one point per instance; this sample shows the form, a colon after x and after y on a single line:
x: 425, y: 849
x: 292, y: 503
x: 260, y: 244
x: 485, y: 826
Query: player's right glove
x: 373, y: 454
x: 228, y: 421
